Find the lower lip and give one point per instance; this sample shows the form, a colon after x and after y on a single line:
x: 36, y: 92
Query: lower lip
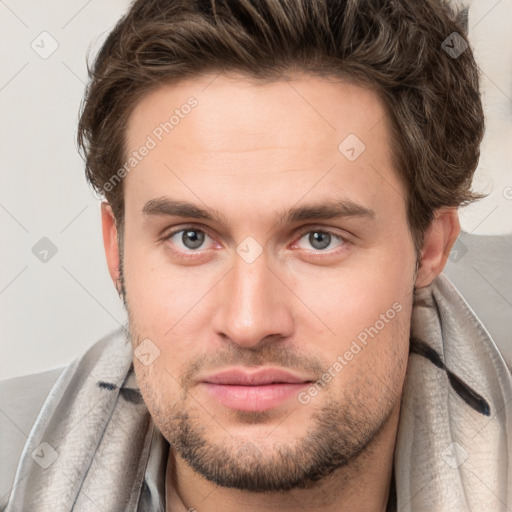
x: 254, y: 398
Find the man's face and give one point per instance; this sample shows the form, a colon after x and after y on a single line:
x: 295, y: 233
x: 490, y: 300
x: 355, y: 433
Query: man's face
x: 281, y: 332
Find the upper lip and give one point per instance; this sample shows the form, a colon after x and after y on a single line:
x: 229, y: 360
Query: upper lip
x: 259, y: 377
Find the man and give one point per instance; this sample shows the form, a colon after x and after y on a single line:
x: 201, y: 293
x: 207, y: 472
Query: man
x: 282, y: 181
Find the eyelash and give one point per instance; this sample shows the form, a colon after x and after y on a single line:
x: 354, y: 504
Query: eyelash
x: 317, y: 253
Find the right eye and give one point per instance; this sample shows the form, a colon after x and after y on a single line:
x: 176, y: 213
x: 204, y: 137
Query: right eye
x: 187, y: 239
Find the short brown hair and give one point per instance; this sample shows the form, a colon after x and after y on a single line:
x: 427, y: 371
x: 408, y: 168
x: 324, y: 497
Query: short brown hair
x: 397, y: 47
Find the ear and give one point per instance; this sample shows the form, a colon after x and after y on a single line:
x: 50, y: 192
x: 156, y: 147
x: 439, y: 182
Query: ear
x: 109, y: 227
x: 437, y: 244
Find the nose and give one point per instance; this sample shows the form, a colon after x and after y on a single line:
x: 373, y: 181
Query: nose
x: 254, y: 306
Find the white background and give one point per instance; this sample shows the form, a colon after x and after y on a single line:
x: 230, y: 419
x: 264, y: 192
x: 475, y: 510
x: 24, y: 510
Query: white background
x: 52, y: 312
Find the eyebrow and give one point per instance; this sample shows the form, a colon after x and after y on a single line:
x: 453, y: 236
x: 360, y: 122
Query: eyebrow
x: 317, y: 211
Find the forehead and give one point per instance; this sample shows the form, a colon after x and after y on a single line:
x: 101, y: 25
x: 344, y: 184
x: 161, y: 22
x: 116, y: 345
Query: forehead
x: 318, y: 110
x: 226, y: 132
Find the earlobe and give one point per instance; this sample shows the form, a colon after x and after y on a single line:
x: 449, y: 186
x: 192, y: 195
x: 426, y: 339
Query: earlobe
x: 110, y: 243
x: 438, y: 242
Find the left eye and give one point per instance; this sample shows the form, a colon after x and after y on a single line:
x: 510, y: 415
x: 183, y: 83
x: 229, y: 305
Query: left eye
x: 321, y: 240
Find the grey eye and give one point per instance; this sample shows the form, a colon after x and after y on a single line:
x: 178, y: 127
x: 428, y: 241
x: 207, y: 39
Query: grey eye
x: 192, y: 238
x: 319, y: 239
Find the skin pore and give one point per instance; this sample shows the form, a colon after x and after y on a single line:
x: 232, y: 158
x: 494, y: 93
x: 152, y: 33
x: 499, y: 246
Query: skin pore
x: 230, y: 260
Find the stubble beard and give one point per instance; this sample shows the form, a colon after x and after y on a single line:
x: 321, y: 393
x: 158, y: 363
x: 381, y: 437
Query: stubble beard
x: 340, y: 435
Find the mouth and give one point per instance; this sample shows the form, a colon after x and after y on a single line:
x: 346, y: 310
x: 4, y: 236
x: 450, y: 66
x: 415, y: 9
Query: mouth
x: 256, y: 390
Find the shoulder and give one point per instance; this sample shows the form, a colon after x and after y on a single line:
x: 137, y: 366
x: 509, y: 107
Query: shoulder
x: 21, y: 399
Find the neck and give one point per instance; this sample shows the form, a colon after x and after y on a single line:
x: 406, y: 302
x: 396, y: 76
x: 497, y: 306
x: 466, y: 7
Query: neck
x: 361, y: 486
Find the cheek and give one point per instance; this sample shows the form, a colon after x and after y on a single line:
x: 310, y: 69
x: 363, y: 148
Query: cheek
x: 341, y: 302
x: 365, y: 320
x: 374, y: 361
x: 159, y: 294
x: 158, y: 383
x: 148, y: 382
